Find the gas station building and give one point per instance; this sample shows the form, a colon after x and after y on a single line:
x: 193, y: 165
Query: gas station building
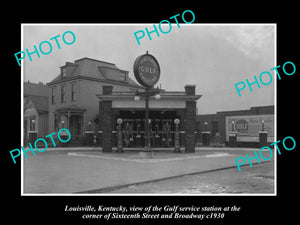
x: 162, y: 113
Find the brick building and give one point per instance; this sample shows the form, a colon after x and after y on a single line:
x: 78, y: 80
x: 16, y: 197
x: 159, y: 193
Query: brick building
x: 162, y: 113
x: 247, y: 124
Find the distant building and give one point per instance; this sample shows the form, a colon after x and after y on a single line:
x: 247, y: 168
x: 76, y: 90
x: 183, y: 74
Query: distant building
x: 73, y: 103
x: 36, y: 111
x: 246, y: 123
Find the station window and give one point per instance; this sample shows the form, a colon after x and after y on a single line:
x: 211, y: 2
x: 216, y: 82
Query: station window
x: 64, y: 72
x: 53, y: 95
x: 73, y: 92
x: 62, y: 94
x: 215, y: 127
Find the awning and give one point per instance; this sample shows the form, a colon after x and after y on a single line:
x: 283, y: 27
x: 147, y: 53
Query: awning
x: 70, y: 109
x: 30, y: 112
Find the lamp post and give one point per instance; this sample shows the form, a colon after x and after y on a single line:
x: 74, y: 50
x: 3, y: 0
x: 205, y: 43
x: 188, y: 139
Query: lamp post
x: 146, y: 70
x: 33, y: 124
x: 119, y: 136
x: 177, y: 144
x: 263, y: 135
x: 150, y: 91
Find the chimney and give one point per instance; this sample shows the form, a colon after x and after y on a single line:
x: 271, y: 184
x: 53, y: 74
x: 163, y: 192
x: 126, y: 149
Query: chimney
x: 190, y: 89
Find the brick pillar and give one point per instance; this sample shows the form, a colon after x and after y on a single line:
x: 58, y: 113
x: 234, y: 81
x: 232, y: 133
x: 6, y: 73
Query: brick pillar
x: 190, y: 126
x: 190, y: 120
x: 263, y: 138
x: 105, y: 118
x: 190, y: 89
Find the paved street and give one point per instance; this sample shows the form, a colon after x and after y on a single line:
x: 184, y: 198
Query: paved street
x: 91, y: 171
x: 256, y: 179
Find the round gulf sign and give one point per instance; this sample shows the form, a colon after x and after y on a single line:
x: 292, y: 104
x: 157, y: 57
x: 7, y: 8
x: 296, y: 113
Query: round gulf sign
x: 146, y: 70
x: 242, y: 126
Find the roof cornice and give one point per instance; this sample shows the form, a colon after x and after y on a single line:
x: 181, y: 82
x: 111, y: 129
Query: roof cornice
x: 70, y: 78
x: 164, y: 96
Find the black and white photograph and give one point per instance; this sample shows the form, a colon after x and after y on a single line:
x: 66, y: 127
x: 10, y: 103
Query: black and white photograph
x: 162, y: 116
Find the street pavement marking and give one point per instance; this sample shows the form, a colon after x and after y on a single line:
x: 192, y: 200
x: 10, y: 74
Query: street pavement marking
x: 217, y: 155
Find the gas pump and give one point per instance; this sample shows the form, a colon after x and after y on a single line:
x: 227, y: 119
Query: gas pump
x: 138, y: 128
x: 166, y: 133
x: 156, y: 128
x: 128, y: 133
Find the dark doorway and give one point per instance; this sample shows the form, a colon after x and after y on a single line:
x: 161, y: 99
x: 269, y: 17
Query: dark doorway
x: 75, y: 125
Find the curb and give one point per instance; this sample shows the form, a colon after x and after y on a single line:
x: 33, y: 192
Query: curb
x: 154, y: 149
x: 151, y: 160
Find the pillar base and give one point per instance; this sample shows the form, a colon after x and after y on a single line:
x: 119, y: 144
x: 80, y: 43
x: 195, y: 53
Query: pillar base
x: 89, y: 137
x: 176, y: 150
x: 120, y: 150
x: 146, y: 155
x: 205, y: 138
x: 232, y: 139
x: 32, y: 136
x: 263, y: 138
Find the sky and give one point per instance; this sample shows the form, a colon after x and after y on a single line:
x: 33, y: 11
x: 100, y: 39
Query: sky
x: 214, y: 57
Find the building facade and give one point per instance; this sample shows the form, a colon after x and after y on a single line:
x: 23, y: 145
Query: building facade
x: 245, y: 123
x: 36, y: 111
x: 163, y: 112
x: 73, y: 103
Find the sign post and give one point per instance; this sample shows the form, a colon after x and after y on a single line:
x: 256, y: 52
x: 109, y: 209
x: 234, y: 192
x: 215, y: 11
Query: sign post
x: 147, y: 72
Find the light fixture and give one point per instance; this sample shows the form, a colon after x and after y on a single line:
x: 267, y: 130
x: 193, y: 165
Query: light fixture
x: 119, y: 121
x: 136, y: 98
x: 157, y: 96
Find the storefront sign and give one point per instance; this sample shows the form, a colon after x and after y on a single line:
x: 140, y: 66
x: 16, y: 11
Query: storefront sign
x: 146, y: 70
x: 247, y: 127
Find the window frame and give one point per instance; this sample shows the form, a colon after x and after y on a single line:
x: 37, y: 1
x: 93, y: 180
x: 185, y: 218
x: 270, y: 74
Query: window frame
x: 62, y: 93
x: 73, y: 92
